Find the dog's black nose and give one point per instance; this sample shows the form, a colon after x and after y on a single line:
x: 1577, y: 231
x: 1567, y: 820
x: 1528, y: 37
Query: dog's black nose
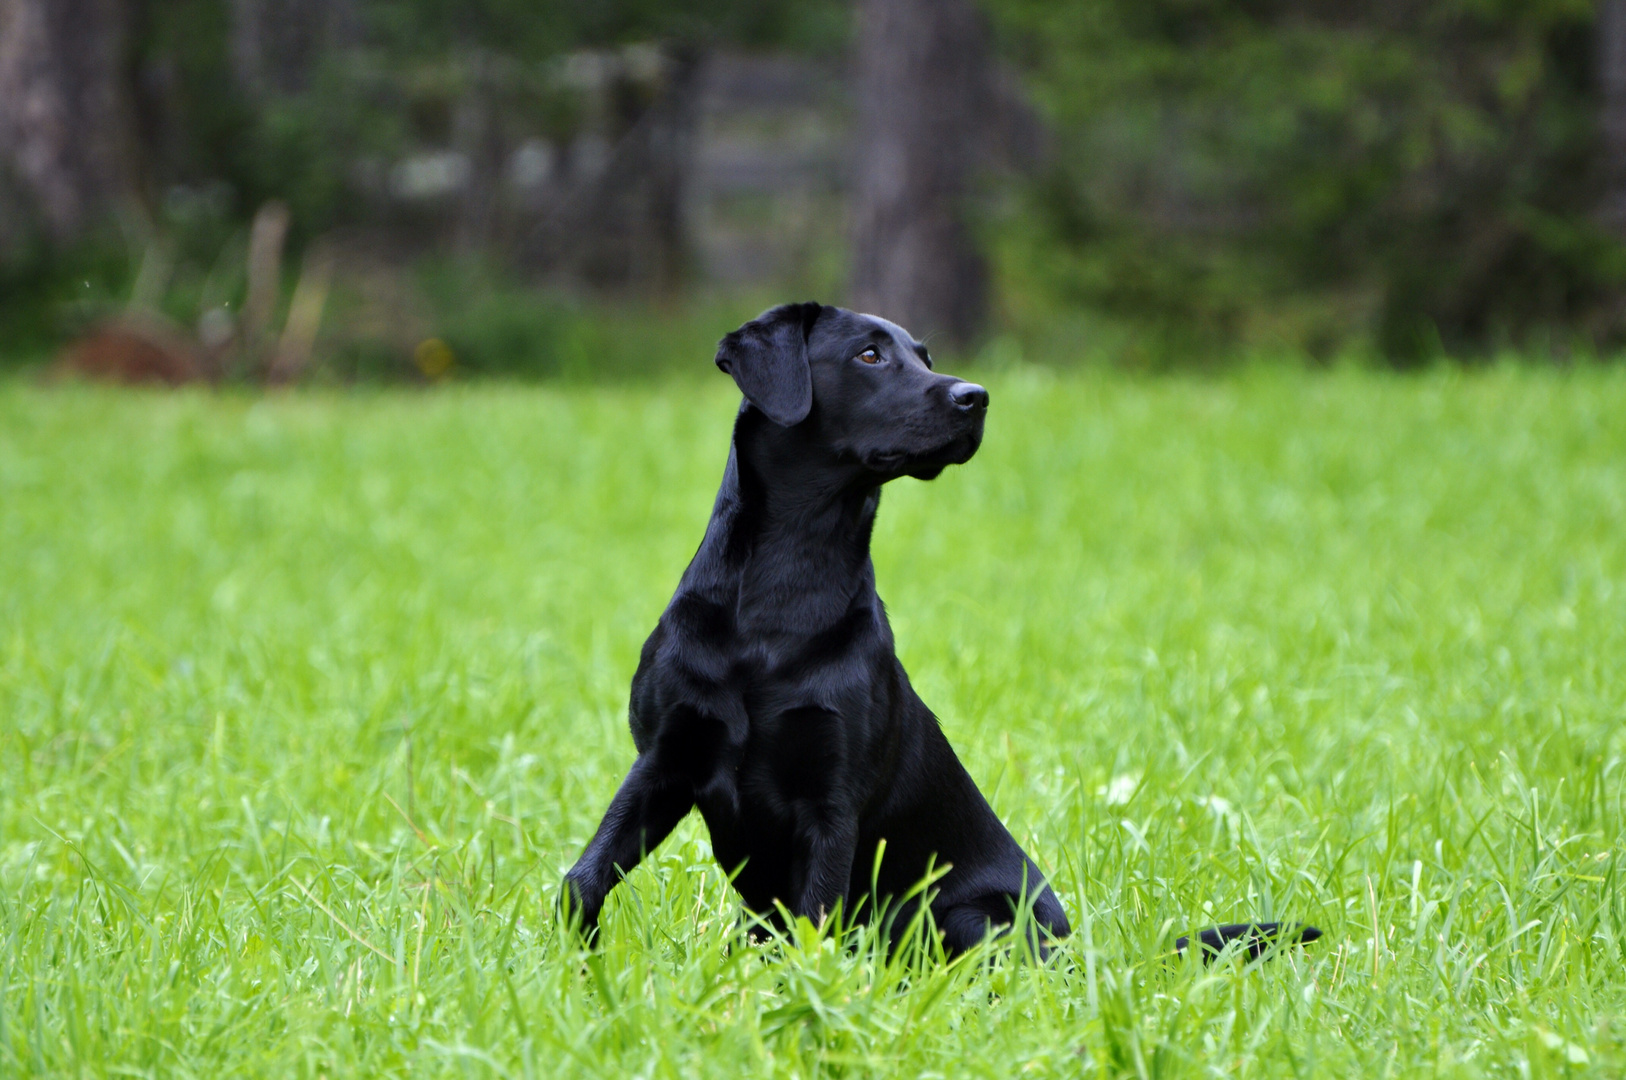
x: 968, y: 396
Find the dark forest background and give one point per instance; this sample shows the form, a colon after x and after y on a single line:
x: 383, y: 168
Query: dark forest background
x: 292, y: 189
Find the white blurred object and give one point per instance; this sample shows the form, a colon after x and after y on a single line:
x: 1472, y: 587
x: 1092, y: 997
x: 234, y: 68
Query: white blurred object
x: 215, y: 328
x: 531, y: 165
x: 1120, y: 790
x: 430, y: 176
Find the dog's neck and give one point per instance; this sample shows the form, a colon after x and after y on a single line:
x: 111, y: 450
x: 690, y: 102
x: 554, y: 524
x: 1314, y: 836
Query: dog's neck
x: 788, y: 540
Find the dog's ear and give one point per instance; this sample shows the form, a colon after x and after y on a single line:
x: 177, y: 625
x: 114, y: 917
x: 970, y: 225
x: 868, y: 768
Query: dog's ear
x: 768, y: 359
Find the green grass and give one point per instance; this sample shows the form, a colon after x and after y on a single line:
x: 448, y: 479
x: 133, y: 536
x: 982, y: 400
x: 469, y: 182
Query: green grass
x: 307, y: 701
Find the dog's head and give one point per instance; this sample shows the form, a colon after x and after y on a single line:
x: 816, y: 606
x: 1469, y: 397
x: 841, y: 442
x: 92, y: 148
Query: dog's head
x: 859, y: 386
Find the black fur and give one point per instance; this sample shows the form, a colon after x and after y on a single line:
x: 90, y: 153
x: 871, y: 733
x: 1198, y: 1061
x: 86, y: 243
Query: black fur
x: 769, y: 694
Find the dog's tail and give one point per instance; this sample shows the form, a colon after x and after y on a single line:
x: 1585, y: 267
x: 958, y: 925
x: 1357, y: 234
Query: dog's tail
x: 1256, y: 938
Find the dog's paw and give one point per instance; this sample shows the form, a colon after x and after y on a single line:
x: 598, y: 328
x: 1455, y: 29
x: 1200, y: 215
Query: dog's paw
x: 576, y: 913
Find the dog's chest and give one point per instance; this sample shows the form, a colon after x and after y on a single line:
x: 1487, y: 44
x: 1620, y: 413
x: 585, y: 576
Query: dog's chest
x: 745, y: 707
x: 766, y: 651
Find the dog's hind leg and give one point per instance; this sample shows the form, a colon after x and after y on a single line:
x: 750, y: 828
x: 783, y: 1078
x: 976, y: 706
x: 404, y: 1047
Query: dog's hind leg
x: 647, y: 807
x: 968, y: 924
x: 965, y: 926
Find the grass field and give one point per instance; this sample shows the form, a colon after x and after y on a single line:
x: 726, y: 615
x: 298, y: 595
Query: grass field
x: 306, y: 702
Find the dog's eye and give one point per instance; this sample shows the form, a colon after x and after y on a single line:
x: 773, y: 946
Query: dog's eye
x: 870, y: 356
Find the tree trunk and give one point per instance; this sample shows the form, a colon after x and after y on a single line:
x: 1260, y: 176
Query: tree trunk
x: 923, y: 78
x: 65, y: 129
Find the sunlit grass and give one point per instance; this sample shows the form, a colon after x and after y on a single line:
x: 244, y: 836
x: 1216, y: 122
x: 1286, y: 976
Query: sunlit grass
x: 306, y: 702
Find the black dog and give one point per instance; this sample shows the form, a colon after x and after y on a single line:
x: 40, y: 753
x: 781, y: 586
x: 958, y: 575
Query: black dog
x: 770, y: 695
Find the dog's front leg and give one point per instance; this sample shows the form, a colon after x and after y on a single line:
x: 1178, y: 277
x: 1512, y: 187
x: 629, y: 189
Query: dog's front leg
x: 830, y: 845
x: 648, y: 806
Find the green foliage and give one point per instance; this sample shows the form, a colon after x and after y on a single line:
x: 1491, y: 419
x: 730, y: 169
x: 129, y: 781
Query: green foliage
x: 390, y: 85
x: 310, y: 699
x: 1426, y: 173
x: 496, y: 326
x: 47, y: 294
x: 218, y: 142
x: 213, y: 151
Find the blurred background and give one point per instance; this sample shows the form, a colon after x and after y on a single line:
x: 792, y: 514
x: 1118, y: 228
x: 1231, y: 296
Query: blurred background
x: 342, y: 190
